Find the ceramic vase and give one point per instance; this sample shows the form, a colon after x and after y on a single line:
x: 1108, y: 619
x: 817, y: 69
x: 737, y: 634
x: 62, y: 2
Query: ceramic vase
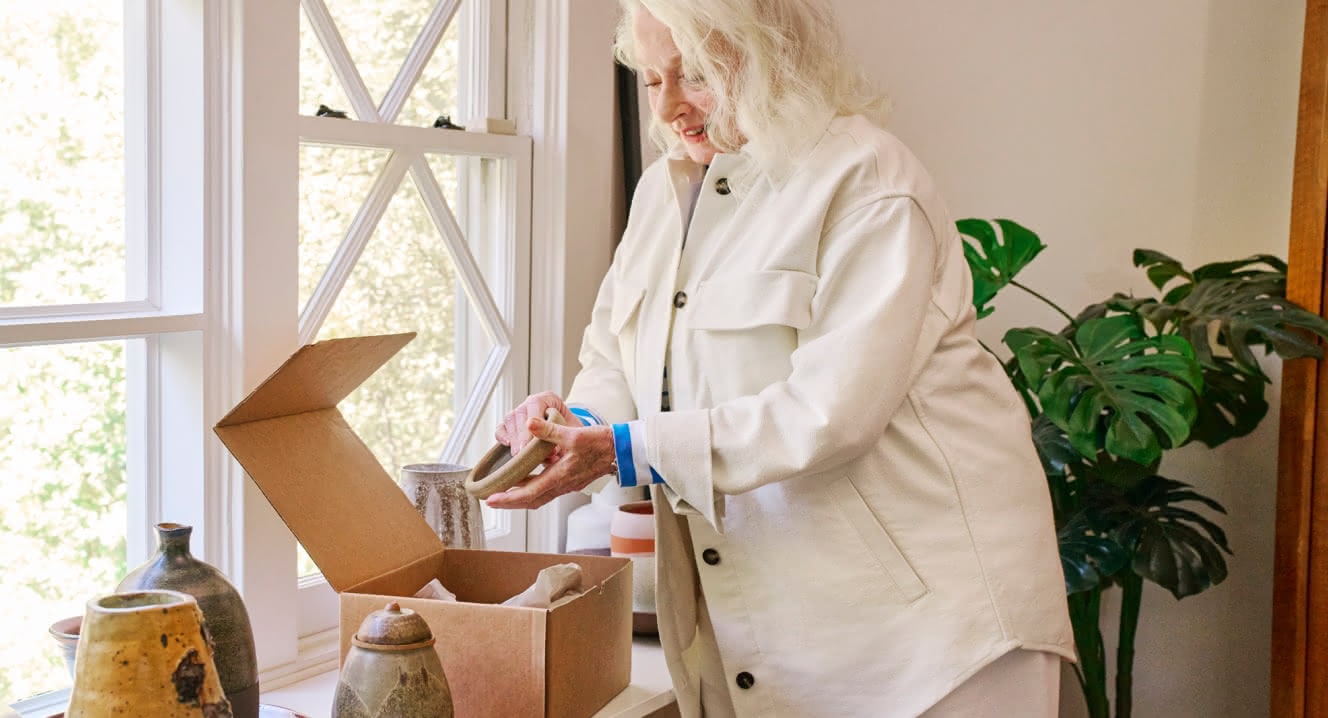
x: 588, y: 526
x: 146, y: 653
x: 392, y: 670
x: 175, y: 568
x: 632, y: 535
x: 439, y: 494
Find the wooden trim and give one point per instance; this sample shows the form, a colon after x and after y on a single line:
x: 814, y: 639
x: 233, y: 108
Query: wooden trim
x: 1300, y: 582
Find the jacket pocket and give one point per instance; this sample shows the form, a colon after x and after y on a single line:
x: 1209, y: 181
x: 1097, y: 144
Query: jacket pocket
x: 623, y: 323
x: 877, y: 540
x: 625, y: 309
x: 753, y: 299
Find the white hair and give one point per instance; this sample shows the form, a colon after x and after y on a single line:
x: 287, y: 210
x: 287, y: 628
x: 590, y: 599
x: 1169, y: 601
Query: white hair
x: 775, y: 67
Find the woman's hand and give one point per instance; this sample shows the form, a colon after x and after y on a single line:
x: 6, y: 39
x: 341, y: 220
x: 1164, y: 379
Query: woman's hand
x: 583, y: 454
x: 515, y: 432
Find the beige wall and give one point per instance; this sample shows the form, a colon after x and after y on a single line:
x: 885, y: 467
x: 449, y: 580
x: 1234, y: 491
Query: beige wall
x: 1104, y: 127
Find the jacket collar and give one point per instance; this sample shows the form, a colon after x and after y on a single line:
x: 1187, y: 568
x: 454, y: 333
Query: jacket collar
x: 740, y: 167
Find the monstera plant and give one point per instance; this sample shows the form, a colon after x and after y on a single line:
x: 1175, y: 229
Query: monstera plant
x: 1122, y: 382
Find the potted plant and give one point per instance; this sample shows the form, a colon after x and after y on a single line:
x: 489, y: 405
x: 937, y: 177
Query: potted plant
x: 1119, y: 384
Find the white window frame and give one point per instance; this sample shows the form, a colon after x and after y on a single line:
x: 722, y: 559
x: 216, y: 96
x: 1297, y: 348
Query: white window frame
x: 165, y: 140
x: 236, y: 222
x: 273, y: 129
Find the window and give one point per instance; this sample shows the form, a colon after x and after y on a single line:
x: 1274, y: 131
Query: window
x: 410, y: 224
x: 174, y: 225
x: 97, y: 311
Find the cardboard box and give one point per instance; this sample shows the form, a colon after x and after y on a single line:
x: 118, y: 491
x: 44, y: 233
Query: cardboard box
x: 373, y: 548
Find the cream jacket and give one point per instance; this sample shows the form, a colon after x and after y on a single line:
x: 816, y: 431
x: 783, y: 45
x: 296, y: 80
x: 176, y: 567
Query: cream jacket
x: 850, y: 478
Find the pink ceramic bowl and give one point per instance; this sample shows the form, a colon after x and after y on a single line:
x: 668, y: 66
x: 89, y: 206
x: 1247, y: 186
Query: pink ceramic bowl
x: 66, y: 632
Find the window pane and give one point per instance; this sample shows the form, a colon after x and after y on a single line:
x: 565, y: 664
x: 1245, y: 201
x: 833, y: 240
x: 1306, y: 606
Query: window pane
x: 62, y: 172
x: 334, y: 181
x: 62, y: 501
x: 406, y: 281
x: 318, y: 84
x: 379, y: 35
x: 436, y: 92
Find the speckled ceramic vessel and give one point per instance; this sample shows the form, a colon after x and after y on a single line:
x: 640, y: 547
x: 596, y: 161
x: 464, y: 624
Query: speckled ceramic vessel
x: 439, y: 494
x: 392, y: 670
x: 146, y: 653
x: 174, y: 568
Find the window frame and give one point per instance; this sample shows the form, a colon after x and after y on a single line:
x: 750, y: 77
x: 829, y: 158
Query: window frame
x: 236, y: 220
x: 273, y: 186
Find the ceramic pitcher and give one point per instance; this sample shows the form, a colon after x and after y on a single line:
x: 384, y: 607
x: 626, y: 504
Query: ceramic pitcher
x: 439, y: 494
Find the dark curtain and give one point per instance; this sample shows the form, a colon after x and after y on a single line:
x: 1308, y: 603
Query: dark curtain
x: 629, y: 124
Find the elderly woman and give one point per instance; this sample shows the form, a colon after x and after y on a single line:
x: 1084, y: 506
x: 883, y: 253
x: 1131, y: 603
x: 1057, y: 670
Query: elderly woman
x: 851, y: 518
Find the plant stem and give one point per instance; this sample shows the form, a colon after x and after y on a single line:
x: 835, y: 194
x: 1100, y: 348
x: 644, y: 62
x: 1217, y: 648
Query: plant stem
x: 1046, y: 301
x: 1085, y: 611
x: 1132, y: 585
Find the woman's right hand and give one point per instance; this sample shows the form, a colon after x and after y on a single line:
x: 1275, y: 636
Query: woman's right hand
x: 514, y: 433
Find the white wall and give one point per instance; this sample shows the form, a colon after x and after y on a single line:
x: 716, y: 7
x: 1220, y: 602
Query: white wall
x: 1105, y: 127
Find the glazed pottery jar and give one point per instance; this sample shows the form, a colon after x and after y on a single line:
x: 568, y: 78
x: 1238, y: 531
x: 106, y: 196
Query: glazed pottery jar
x: 175, y: 568
x: 146, y: 653
x: 439, y: 494
x: 632, y: 535
x: 392, y: 670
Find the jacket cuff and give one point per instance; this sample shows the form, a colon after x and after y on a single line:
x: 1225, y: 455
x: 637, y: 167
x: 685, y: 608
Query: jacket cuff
x: 681, y: 450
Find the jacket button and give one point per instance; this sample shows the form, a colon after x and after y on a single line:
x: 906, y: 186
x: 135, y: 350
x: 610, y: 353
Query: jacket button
x: 710, y: 556
x: 722, y: 185
x: 680, y: 300
x: 746, y: 680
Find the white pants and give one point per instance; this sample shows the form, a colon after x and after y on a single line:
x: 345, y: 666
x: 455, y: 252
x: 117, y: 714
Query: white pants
x: 1020, y: 683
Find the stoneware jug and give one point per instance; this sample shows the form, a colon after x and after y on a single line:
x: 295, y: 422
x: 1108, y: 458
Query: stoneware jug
x: 146, y: 653
x: 392, y: 670
x: 439, y: 494
x: 174, y: 568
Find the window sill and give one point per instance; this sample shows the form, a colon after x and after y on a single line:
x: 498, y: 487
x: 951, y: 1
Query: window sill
x: 650, y: 690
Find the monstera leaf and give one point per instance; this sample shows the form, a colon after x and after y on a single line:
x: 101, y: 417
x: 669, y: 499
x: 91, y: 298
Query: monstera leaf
x: 1089, y: 555
x: 1231, y: 405
x: 1057, y: 455
x: 1246, y: 313
x: 1114, y: 474
x: 995, y: 258
x: 1161, y: 269
x: 1112, y: 375
x: 1245, y: 299
x: 1173, y: 546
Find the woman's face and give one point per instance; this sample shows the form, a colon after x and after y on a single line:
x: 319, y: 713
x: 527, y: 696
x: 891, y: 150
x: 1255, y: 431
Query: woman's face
x: 680, y: 103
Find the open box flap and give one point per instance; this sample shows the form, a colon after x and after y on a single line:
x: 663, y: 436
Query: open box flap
x: 353, y: 519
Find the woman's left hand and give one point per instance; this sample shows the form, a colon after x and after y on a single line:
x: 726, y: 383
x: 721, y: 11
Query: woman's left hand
x: 583, y: 455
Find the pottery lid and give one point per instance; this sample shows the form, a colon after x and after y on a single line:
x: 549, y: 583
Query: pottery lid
x: 393, y: 626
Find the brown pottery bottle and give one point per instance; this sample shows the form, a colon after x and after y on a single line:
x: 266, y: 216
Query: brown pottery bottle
x: 174, y: 568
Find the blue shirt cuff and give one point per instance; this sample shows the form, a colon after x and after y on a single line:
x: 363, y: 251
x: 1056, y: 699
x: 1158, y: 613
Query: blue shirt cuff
x: 629, y: 448
x: 587, y: 417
